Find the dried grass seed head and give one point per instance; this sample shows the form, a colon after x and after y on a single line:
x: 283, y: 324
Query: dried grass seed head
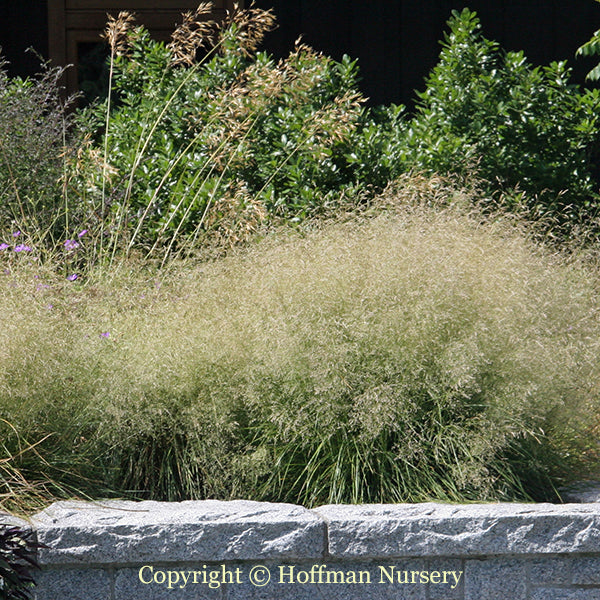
x: 236, y: 217
x: 252, y: 24
x: 196, y: 32
x: 117, y: 30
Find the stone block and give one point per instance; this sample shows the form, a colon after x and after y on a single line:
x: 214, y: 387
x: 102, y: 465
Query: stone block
x: 120, y: 532
x: 399, y: 580
x: 586, y: 570
x: 549, y: 593
x: 495, y: 579
x: 552, y: 570
x: 581, y: 492
x: 8, y: 520
x: 73, y: 584
x: 445, y: 587
x: 157, y: 583
x: 373, y: 531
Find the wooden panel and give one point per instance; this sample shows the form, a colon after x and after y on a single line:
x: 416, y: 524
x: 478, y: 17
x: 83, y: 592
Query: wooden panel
x: 380, y: 51
x: 96, y: 20
x: 288, y: 14
x: 109, y: 5
x: 175, y: 5
x: 422, y: 27
x: 71, y: 22
x: 57, y: 31
x: 395, y: 40
x: 326, y: 25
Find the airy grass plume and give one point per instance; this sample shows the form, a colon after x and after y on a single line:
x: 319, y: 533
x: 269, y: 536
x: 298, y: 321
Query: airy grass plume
x: 117, y: 32
x: 195, y: 32
x: 398, y: 359
x: 250, y: 26
x: 235, y: 218
x: 419, y: 353
x: 34, y: 150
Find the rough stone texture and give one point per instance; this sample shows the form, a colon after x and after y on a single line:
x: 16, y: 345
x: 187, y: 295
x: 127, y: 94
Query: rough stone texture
x: 144, y: 532
x: 441, y: 591
x: 505, y: 551
x: 272, y: 592
x: 586, y: 571
x: 496, y: 579
x: 128, y: 586
x: 583, y: 492
x: 550, y: 571
x: 73, y: 584
x: 565, y: 594
x: 375, y: 588
x: 429, y: 529
x: 12, y: 521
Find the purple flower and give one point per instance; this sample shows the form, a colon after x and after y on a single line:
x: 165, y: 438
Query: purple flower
x: 22, y: 248
x: 105, y: 334
x: 73, y: 277
x: 16, y: 234
x: 71, y: 245
x: 4, y: 246
x: 82, y: 233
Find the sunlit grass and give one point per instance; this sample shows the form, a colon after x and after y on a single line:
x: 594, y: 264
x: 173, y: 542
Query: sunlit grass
x: 413, y: 354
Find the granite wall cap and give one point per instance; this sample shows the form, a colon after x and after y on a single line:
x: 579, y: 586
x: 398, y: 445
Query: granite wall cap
x: 582, y: 492
x: 125, y: 532
x: 8, y: 520
x: 429, y: 529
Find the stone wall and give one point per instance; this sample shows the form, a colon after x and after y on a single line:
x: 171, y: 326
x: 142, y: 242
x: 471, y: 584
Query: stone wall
x: 240, y: 550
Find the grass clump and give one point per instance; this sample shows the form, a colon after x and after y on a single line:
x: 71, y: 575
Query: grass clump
x: 421, y: 350
x: 419, y: 354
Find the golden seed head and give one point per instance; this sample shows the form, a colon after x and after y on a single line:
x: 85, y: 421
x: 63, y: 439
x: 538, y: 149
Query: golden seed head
x: 195, y: 32
x: 117, y: 30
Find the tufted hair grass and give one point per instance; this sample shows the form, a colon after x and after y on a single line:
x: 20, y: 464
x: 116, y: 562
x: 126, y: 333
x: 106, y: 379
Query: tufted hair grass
x: 418, y: 353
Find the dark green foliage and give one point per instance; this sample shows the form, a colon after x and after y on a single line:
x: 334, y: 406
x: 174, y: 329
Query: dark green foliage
x: 591, y: 48
x: 489, y: 111
x: 17, y: 558
x: 377, y: 149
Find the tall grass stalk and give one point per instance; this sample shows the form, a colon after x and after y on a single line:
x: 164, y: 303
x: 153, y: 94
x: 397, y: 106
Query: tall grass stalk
x: 186, y: 40
x: 219, y: 144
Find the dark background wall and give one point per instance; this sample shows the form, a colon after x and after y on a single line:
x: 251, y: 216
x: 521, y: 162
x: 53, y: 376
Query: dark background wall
x: 396, y: 41
x: 23, y: 24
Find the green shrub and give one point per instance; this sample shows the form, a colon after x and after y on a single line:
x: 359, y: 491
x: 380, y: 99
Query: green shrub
x: 377, y: 149
x: 412, y: 356
x: 197, y: 142
x: 33, y: 130
x: 591, y: 48
x: 489, y: 111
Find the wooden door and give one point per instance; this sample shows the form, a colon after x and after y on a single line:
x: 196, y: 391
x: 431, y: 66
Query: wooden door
x: 75, y: 22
